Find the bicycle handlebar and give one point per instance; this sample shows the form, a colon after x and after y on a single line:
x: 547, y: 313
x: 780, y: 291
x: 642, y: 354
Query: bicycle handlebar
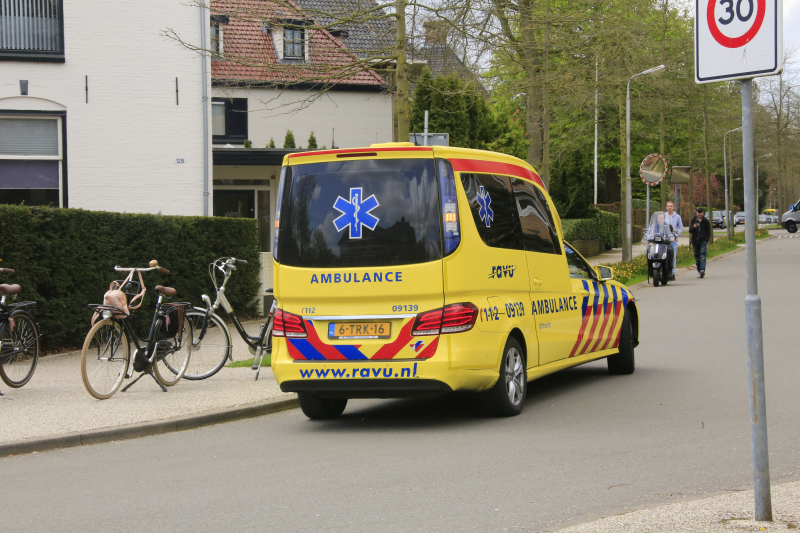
x: 124, y: 269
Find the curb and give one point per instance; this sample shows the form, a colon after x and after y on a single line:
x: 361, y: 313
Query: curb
x: 146, y: 429
x: 692, y: 267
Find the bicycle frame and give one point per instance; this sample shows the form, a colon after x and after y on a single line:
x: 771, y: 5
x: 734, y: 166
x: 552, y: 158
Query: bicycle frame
x: 149, y: 343
x: 256, y: 342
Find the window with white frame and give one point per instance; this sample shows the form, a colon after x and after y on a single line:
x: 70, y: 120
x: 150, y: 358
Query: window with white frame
x: 31, y: 158
x: 32, y: 30
x: 293, y: 43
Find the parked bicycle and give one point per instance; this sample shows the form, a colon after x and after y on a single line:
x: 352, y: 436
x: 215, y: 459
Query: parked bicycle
x: 19, y: 337
x: 211, y: 345
x: 163, y: 354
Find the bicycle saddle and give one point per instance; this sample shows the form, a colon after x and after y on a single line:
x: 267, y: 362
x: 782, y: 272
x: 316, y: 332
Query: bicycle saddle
x: 168, y: 291
x: 8, y: 290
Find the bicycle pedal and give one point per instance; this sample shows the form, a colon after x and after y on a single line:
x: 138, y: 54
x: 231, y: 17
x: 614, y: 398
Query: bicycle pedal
x: 254, y: 367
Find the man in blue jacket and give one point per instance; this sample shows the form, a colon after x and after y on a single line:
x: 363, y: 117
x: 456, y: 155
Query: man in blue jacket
x: 701, y: 233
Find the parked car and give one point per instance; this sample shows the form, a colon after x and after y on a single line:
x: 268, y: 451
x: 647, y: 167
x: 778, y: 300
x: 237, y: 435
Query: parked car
x: 718, y: 219
x: 791, y: 218
x: 763, y: 219
x: 738, y: 218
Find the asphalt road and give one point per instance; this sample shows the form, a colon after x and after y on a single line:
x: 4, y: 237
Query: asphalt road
x: 586, y: 444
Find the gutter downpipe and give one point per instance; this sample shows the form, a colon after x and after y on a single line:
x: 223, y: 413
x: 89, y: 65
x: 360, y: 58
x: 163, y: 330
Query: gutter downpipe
x: 204, y: 57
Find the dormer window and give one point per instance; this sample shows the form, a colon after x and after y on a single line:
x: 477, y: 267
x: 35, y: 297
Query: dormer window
x: 216, y: 36
x: 293, y: 43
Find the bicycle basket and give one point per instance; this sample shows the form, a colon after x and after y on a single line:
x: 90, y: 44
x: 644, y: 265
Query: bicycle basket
x: 129, y: 289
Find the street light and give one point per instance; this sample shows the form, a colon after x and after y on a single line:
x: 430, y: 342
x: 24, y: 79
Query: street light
x: 757, y: 189
x: 627, y: 252
x: 725, y: 158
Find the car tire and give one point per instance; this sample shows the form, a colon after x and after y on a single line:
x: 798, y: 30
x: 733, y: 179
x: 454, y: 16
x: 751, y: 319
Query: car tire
x: 318, y: 408
x: 507, y: 397
x: 791, y: 227
x: 623, y: 362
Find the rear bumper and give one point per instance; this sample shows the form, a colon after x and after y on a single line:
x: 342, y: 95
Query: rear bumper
x: 369, y: 388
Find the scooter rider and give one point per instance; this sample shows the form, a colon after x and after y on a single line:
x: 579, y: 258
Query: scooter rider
x: 674, y: 220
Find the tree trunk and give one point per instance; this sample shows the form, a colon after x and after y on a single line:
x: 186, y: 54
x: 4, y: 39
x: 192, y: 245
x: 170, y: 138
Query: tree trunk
x: 706, y: 167
x: 533, y: 101
x: 545, y: 173
x: 401, y: 74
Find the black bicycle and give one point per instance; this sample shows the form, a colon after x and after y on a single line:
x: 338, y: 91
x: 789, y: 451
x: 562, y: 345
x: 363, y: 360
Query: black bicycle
x: 163, y: 354
x: 19, y: 337
x: 211, y: 345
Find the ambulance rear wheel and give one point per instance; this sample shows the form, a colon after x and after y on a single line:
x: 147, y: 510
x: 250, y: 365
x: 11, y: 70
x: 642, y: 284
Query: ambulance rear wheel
x: 623, y: 362
x: 317, y: 408
x: 507, y: 396
x: 791, y: 227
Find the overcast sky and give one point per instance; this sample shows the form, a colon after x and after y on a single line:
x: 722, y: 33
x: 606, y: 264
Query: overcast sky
x: 791, y: 21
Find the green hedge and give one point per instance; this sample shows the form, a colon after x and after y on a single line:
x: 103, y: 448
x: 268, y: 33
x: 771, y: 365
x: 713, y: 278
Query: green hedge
x: 64, y: 259
x: 600, y: 224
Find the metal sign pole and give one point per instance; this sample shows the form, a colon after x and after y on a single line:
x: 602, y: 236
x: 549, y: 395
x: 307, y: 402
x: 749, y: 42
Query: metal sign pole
x: 752, y: 306
x: 647, y: 215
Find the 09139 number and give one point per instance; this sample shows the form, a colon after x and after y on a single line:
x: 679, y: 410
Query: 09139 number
x: 515, y: 309
x: 410, y: 307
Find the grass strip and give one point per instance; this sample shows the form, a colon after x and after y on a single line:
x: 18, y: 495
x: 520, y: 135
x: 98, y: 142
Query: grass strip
x: 636, y: 270
x: 249, y: 362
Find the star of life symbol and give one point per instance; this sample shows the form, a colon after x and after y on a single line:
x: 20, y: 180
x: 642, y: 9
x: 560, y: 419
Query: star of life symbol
x: 356, y: 212
x: 485, y: 213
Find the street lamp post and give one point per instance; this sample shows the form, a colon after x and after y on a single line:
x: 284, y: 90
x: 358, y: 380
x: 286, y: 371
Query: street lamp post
x: 757, y: 189
x: 728, y: 218
x: 627, y: 248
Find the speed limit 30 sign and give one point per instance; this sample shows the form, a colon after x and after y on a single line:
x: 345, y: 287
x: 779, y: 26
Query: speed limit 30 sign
x: 736, y: 39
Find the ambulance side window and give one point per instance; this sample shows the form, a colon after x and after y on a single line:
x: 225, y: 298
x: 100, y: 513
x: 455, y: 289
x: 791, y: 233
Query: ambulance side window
x: 578, y: 268
x: 494, y: 210
x: 538, y: 230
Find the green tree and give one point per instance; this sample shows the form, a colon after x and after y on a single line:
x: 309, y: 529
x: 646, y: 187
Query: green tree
x: 455, y: 107
x: 288, y: 141
x: 312, y: 142
x: 271, y: 143
x: 247, y: 143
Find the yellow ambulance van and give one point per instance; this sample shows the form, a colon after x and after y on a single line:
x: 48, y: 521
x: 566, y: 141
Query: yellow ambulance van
x: 404, y: 271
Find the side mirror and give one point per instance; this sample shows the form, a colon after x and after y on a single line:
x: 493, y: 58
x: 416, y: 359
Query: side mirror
x: 604, y: 273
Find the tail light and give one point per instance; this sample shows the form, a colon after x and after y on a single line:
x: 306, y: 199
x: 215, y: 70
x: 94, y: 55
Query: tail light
x: 287, y: 324
x: 453, y: 318
x: 459, y: 317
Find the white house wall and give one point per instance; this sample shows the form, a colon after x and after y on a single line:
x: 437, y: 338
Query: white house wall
x: 123, y: 144
x: 360, y: 118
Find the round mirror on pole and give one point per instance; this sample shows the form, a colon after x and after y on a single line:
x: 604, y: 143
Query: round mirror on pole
x: 652, y: 171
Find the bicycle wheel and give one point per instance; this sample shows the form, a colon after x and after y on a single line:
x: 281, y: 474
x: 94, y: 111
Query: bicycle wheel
x: 105, y: 358
x: 210, y: 353
x: 20, y: 350
x: 172, y: 355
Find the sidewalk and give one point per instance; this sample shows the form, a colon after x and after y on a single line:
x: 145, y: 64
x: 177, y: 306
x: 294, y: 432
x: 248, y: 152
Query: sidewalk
x: 732, y: 511
x: 55, y: 402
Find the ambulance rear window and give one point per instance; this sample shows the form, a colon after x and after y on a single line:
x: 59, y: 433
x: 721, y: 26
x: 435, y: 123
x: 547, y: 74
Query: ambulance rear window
x: 364, y: 213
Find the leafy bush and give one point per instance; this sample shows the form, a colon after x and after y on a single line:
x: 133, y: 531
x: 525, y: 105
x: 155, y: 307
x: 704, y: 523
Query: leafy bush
x: 64, y: 259
x: 599, y: 224
x: 312, y: 142
x: 288, y: 141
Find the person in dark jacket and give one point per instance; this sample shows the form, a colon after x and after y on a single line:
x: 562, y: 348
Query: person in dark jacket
x: 701, y: 233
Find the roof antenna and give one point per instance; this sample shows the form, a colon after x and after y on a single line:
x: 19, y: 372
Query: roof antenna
x: 333, y: 139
